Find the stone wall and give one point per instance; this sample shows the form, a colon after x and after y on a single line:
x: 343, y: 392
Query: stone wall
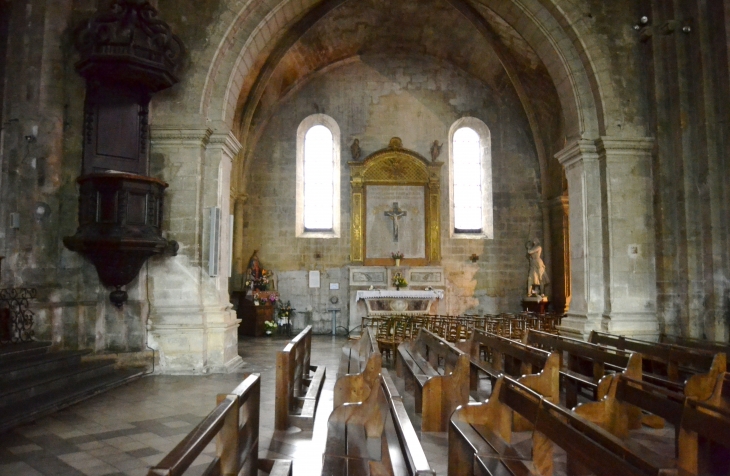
x: 416, y: 98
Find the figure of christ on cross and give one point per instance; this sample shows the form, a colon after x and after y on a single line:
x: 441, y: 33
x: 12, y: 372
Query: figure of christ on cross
x: 395, y: 214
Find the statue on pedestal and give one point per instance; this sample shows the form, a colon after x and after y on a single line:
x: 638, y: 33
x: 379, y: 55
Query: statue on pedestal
x: 258, y: 278
x: 536, y: 276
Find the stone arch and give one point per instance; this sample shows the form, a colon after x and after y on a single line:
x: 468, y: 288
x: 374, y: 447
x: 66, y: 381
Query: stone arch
x: 251, y: 30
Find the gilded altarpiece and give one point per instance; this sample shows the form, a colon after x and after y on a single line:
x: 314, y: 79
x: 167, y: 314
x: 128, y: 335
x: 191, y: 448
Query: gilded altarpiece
x: 400, y: 168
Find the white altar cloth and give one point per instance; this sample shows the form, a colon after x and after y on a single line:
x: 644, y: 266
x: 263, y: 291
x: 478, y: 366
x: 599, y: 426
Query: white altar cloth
x: 393, y: 294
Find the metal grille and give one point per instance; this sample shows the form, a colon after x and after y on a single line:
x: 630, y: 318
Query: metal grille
x: 16, y: 318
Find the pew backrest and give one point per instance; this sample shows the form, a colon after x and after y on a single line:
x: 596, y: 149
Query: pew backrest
x: 292, y: 368
x: 520, y: 351
x: 235, y: 423
x: 695, y: 343
x: 669, y: 354
x: 578, y: 348
x: 587, y: 443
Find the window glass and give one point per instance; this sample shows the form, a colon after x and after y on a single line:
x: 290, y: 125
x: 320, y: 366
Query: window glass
x: 318, y: 179
x: 467, y: 186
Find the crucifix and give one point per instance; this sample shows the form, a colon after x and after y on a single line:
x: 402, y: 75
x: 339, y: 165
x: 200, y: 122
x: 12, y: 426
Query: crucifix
x: 395, y: 214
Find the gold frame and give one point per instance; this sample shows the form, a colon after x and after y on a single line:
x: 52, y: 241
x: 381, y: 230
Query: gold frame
x: 394, y: 166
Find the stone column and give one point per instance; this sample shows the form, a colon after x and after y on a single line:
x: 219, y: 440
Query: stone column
x: 582, y: 169
x: 239, y: 264
x: 191, y: 322
x: 629, y: 236
x: 559, y: 233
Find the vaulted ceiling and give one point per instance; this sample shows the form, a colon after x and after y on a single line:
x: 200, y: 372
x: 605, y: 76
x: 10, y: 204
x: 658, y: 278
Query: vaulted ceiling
x: 464, y: 33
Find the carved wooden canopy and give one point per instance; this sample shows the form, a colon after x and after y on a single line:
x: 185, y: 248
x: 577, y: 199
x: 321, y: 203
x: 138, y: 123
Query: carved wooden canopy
x: 395, y: 165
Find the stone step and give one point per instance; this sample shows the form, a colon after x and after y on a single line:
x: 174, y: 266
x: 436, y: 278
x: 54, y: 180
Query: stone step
x: 44, y: 404
x: 19, y: 369
x: 13, y: 352
x: 49, y: 382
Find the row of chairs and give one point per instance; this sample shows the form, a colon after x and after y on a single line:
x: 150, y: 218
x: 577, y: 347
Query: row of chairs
x: 391, y: 330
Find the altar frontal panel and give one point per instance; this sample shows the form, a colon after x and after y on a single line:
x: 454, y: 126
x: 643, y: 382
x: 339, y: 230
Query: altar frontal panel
x: 380, y: 232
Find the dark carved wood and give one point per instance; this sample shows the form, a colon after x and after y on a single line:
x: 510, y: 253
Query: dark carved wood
x: 128, y: 44
x: 120, y: 217
x: 127, y: 54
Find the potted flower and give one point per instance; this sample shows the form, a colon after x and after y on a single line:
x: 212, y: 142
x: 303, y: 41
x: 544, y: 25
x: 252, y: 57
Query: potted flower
x: 256, y: 299
x: 270, y: 326
x: 399, y: 281
x: 397, y: 256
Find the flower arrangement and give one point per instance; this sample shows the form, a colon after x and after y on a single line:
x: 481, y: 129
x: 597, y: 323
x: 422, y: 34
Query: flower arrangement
x: 399, y: 281
x: 273, y: 298
x: 285, y: 311
x: 270, y: 326
x: 259, y: 283
x: 396, y: 255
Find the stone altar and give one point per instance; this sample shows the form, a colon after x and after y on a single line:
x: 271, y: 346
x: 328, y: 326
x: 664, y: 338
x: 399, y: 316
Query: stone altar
x: 378, y: 279
x: 406, y: 302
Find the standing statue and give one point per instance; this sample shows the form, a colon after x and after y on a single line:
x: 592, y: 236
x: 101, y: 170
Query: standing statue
x: 536, y: 275
x: 435, y: 150
x: 254, y: 266
x: 355, y: 149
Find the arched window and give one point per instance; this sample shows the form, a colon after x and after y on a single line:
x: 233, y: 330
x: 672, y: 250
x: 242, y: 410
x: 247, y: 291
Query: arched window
x: 318, y: 177
x: 470, y: 188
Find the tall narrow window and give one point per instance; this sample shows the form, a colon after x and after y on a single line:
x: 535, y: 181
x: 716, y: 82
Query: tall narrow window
x: 467, y: 181
x: 318, y: 178
x: 318, y: 186
x: 471, y: 179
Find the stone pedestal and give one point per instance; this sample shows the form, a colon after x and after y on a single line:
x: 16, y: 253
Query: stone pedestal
x: 192, y: 323
x: 611, y: 237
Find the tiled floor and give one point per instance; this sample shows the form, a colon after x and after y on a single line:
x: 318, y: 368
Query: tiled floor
x: 130, y: 429
x: 127, y: 431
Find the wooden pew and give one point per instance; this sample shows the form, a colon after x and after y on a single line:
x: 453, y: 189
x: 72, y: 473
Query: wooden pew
x: 297, y: 391
x: 356, y: 352
x: 480, y: 438
x: 237, y: 442
x: 695, y: 343
x: 695, y: 370
x: 373, y: 437
x: 704, y: 420
x: 586, y: 363
x: 364, y: 369
x: 614, y: 414
x: 538, y: 369
x: 438, y: 390
x: 674, y: 361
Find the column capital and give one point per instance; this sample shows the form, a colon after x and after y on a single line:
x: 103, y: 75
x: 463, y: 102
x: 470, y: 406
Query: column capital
x: 168, y: 135
x: 624, y: 146
x: 226, y: 142
x: 576, y: 152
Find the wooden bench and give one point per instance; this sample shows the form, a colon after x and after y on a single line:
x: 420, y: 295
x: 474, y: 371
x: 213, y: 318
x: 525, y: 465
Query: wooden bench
x: 614, y: 414
x: 355, y: 353
x: 704, y: 420
x: 298, y: 384
x: 586, y: 363
x: 480, y: 439
x: 695, y: 343
x: 675, y: 362
x: 361, y: 362
x: 237, y: 442
x: 438, y: 374
x: 374, y: 437
x: 537, y: 369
